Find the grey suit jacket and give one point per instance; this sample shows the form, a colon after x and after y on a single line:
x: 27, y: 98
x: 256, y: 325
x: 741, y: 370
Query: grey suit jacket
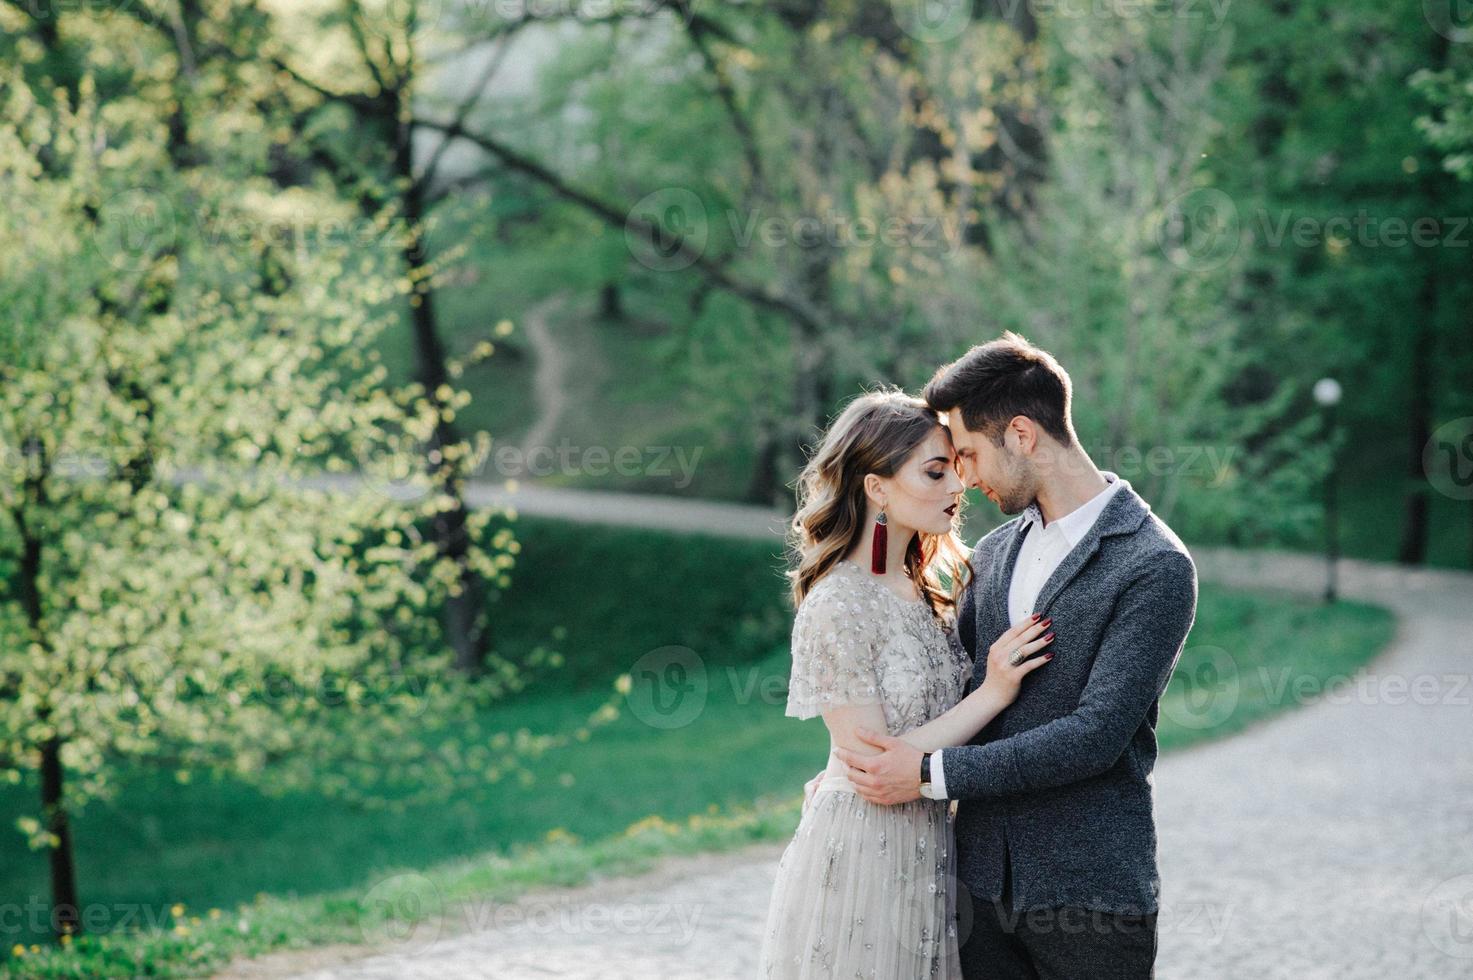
x: 1061, y: 779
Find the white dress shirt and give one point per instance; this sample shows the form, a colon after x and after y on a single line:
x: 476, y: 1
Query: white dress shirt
x: 1043, y: 549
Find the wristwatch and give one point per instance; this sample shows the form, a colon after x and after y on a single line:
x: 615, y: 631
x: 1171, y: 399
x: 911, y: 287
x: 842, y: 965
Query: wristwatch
x: 925, y: 772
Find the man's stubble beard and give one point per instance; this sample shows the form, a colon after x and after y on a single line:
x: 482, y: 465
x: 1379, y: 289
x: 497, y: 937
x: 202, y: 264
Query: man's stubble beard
x: 1023, y: 492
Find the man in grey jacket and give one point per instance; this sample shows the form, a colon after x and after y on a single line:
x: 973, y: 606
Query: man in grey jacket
x: 1056, y: 837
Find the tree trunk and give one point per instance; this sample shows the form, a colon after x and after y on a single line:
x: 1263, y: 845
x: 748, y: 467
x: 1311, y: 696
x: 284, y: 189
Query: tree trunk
x: 1413, y: 549
x: 764, y: 487
x: 465, y: 628
x: 65, y: 914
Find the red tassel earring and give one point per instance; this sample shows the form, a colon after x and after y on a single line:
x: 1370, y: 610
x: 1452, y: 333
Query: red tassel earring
x: 880, y: 546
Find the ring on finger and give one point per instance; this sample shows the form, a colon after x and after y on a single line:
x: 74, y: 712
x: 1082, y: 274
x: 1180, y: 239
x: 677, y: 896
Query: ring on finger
x: 1017, y: 657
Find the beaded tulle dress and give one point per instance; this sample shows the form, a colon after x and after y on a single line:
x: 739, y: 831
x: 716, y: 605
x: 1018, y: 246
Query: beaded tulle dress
x: 863, y: 890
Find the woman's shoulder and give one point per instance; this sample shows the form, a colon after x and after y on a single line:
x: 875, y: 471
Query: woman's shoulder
x: 840, y: 594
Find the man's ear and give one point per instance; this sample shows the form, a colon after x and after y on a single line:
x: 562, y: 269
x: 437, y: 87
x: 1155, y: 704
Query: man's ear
x: 1026, y: 431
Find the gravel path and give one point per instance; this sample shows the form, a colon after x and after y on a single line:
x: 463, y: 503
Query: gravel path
x: 1333, y: 841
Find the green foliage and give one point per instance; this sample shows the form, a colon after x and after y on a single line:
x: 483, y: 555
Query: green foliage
x: 1112, y: 277
x: 1193, y: 251
x: 1451, y: 129
x: 185, y: 347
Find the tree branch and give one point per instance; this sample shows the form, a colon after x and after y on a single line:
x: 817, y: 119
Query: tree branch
x: 788, y: 306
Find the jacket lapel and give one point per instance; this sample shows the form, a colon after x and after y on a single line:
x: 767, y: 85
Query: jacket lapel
x: 992, y: 605
x: 1122, y: 515
x: 1002, y: 578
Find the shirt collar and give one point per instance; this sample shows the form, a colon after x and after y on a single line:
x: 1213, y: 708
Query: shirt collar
x: 1076, y: 524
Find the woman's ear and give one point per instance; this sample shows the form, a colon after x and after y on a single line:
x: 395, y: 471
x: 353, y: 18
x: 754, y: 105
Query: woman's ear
x: 874, y: 489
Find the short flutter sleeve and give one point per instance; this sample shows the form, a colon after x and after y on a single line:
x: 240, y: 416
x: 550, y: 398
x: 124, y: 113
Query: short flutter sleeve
x: 834, y: 653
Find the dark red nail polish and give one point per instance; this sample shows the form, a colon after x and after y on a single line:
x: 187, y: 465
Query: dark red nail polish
x: 1049, y: 637
x: 1048, y: 656
x: 1035, y: 617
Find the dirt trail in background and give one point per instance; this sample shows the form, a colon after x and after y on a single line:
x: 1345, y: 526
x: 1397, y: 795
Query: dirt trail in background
x: 548, y: 384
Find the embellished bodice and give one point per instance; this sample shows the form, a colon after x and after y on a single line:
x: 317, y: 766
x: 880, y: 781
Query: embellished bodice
x: 855, y: 641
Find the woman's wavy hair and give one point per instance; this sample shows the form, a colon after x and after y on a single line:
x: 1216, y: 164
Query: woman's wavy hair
x: 875, y: 433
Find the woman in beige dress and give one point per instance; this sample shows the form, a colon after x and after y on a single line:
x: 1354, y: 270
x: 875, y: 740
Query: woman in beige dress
x: 865, y: 890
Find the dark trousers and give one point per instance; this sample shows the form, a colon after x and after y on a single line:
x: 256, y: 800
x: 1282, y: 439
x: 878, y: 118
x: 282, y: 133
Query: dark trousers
x: 1052, y: 944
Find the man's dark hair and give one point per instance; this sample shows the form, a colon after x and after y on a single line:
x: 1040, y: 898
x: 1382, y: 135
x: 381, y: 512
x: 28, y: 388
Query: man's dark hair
x: 1003, y: 378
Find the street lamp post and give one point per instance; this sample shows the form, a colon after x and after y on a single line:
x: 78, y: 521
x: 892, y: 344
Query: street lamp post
x: 1327, y: 393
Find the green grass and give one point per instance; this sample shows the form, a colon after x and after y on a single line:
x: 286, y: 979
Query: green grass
x: 393, y: 906
x: 735, y: 764
x: 1246, y: 645
x: 606, y: 596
